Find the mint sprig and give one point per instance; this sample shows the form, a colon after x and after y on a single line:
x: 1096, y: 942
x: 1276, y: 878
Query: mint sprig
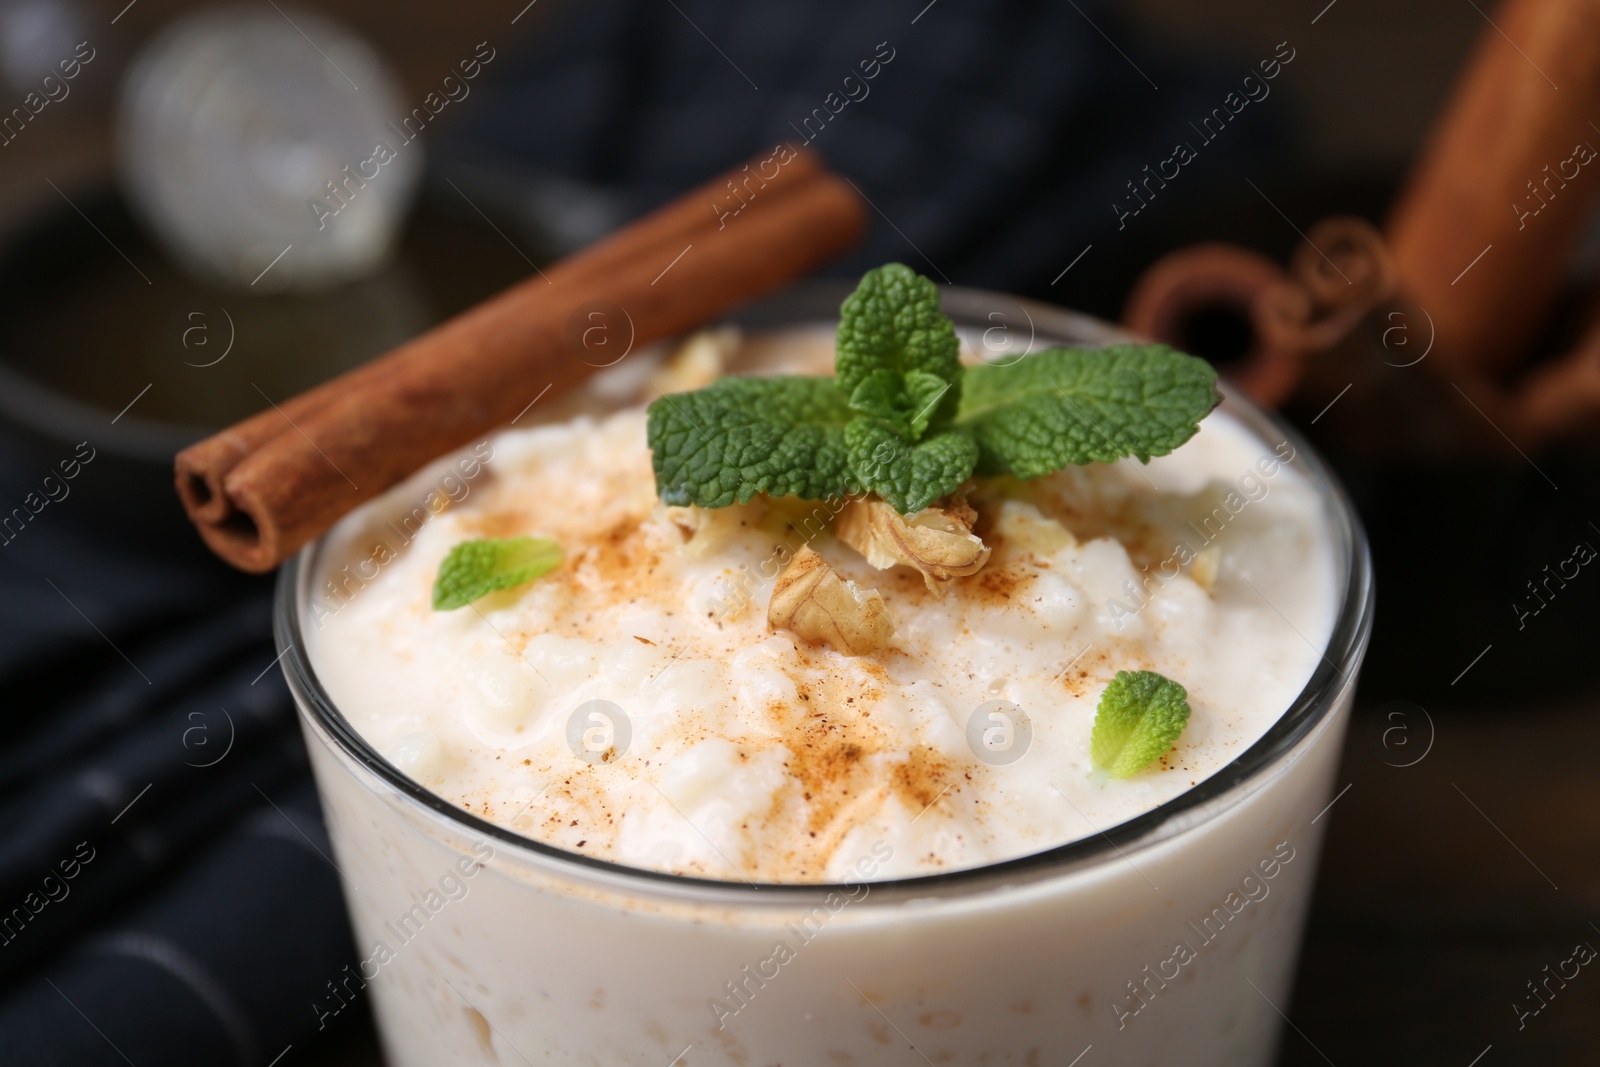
x: 898, y: 358
x: 903, y: 419
x: 1140, y: 715
x: 474, y: 569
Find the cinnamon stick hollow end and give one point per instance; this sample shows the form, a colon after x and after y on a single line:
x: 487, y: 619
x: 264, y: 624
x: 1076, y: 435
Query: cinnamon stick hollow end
x: 199, y: 483
x: 238, y: 539
x: 1179, y: 289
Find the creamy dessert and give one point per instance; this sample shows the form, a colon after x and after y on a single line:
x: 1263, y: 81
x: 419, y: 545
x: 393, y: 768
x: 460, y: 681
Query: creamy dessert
x: 611, y: 634
x: 737, y: 749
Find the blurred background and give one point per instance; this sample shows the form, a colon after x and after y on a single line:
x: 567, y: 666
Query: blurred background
x: 195, y: 222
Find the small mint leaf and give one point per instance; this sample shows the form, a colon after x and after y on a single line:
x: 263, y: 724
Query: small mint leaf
x: 925, y: 393
x: 881, y: 395
x: 1141, y: 714
x: 909, y: 475
x: 906, y: 403
x: 1066, y: 406
x: 892, y: 323
x: 737, y: 437
x: 474, y: 569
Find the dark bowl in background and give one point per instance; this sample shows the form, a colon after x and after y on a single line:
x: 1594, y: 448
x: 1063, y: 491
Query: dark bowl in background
x: 105, y: 342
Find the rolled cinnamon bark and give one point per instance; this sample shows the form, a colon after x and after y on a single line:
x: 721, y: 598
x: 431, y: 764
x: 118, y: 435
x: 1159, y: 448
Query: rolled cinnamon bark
x: 482, y: 368
x: 1493, y: 209
x: 1336, y: 276
x: 1206, y: 277
x: 1347, y: 270
x: 202, y: 467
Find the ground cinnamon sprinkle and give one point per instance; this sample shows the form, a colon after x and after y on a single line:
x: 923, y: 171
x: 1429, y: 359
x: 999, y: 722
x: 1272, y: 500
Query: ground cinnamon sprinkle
x: 1000, y: 583
x: 922, y: 778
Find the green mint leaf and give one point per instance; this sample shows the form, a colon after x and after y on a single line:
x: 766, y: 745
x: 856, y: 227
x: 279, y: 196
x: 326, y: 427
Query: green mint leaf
x: 475, y: 569
x: 910, y: 475
x: 907, y: 403
x: 1140, y: 715
x: 1067, y: 406
x: 892, y: 326
x: 737, y: 437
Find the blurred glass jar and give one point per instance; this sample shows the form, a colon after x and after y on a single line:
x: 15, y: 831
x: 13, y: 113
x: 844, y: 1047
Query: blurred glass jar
x: 249, y: 141
x: 34, y: 36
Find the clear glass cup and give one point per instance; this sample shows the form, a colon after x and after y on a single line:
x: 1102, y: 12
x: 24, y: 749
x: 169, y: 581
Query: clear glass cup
x: 1170, y: 938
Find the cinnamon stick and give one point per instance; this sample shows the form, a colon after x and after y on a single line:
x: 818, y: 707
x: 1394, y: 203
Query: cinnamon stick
x: 202, y: 467
x: 347, y: 441
x: 1495, y: 205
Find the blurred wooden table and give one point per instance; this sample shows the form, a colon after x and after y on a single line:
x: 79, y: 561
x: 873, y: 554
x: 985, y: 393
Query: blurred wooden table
x: 1449, y: 885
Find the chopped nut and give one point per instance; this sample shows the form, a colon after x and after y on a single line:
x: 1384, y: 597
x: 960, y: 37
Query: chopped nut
x: 1205, y: 567
x: 705, y: 530
x: 686, y: 519
x: 1024, y: 528
x: 789, y: 517
x: 937, y: 541
x: 698, y: 361
x: 816, y: 605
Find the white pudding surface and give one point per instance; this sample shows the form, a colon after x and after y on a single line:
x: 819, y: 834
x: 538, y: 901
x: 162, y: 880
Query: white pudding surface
x: 752, y: 755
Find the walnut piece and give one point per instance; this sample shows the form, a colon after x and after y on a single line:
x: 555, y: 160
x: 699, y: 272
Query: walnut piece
x: 1022, y: 527
x: 706, y: 531
x: 816, y: 605
x: 1206, y: 566
x: 937, y: 541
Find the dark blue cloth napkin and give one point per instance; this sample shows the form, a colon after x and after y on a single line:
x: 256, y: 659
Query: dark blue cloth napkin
x: 167, y: 894
x: 992, y: 140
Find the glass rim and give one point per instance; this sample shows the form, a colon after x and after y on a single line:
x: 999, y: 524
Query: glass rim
x: 816, y: 302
